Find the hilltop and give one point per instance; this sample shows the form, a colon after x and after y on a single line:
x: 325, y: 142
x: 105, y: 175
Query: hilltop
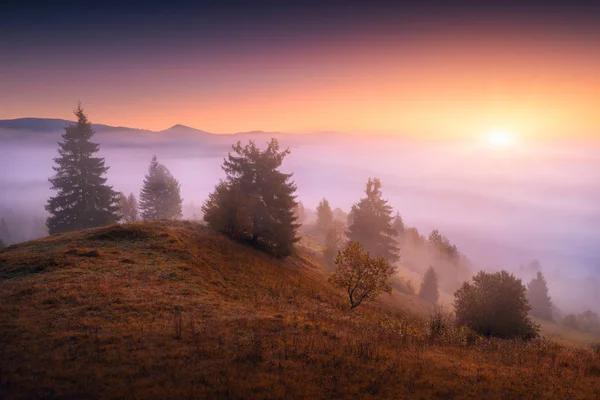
x: 174, y: 310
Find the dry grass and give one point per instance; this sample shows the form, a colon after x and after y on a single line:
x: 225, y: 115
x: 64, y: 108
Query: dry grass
x: 156, y: 310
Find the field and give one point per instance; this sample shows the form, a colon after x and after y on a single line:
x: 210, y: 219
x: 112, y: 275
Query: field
x: 172, y: 310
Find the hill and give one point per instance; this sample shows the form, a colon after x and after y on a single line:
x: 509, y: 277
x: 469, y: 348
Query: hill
x: 173, y: 310
x: 53, y: 125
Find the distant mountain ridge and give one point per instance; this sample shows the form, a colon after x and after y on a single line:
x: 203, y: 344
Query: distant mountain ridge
x: 51, y: 125
x: 54, y: 125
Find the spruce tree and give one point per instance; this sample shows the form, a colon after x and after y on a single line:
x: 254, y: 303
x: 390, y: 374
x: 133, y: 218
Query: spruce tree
x: 443, y: 246
x: 537, y: 294
x: 255, y: 202
x: 324, y: 216
x: 160, y: 196
x: 340, y: 215
x: 300, y: 213
x: 398, y: 225
x: 370, y: 223
x: 128, y: 207
x: 334, y: 240
x: 83, y: 199
x: 429, y: 287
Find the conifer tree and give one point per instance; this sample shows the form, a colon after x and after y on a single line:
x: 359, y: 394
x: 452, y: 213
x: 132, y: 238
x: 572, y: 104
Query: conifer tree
x: 334, y: 240
x: 300, y: 213
x: 83, y: 199
x: 340, y: 215
x: 537, y: 294
x: 160, y: 196
x: 414, y: 237
x: 2, y: 244
x: 443, y: 246
x: 128, y: 207
x: 429, y: 287
x: 255, y: 202
x: 398, y: 225
x: 370, y: 223
x: 324, y: 216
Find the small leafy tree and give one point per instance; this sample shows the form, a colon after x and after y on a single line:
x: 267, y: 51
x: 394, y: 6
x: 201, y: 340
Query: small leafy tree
x: 370, y: 223
x: 429, y: 287
x: 83, y: 199
x: 363, y: 277
x: 537, y: 295
x: 495, y: 305
x: 334, y: 240
x: 255, y: 202
x: 324, y: 216
x: 160, y: 197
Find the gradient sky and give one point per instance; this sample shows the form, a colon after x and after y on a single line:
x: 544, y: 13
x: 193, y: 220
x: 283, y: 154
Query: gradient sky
x: 434, y: 72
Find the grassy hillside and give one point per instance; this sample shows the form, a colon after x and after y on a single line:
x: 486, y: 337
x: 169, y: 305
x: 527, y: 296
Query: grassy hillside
x: 157, y: 310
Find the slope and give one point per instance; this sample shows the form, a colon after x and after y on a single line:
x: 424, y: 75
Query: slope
x: 173, y: 310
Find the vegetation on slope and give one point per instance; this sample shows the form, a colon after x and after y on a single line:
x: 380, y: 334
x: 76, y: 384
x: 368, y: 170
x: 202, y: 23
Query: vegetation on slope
x: 173, y: 310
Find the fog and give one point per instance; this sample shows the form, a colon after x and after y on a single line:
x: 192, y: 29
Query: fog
x: 502, y: 208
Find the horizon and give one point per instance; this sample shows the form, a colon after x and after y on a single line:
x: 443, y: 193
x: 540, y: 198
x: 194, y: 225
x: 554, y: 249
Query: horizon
x: 450, y: 73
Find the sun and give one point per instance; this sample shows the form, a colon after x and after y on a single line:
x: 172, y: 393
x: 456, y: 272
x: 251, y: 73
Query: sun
x: 500, y: 138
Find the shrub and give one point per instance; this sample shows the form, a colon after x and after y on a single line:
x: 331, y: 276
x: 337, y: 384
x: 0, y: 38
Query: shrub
x: 495, y: 305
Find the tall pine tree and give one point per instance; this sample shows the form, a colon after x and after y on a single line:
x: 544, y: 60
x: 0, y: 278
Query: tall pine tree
x: 83, y: 199
x: 370, y: 223
x: 160, y: 197
x: 537, y: 294
x: 255, y: 202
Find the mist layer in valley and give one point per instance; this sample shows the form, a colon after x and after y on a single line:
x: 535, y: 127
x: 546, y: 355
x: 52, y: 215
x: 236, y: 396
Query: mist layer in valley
x: 502, y: 208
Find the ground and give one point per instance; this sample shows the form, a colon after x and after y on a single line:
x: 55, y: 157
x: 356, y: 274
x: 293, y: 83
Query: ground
x: 174, y: 310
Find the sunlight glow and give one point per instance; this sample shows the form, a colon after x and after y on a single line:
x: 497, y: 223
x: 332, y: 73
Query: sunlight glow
x: 500, y: 139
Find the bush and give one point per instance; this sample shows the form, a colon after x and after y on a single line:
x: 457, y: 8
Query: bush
x: 495, y: 305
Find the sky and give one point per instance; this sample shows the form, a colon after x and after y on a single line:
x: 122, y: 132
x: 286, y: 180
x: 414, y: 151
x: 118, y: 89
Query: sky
x: 428, y: 71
